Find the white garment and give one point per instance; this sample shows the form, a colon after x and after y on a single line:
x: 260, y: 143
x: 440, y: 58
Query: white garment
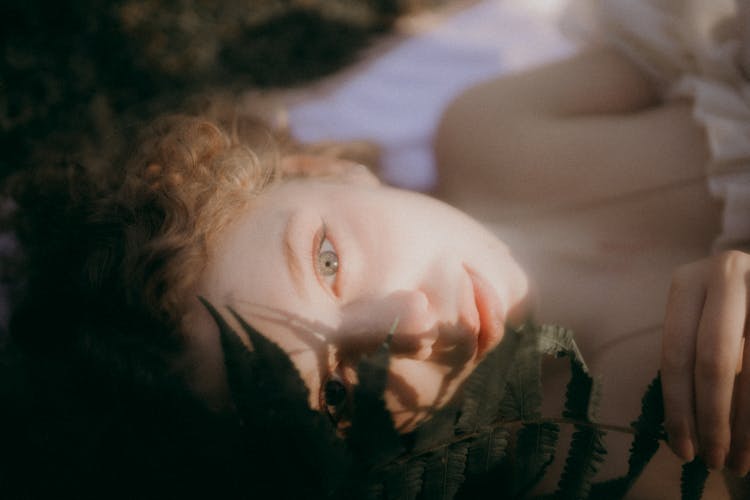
x: 397, y: 99
x: 692, y: 48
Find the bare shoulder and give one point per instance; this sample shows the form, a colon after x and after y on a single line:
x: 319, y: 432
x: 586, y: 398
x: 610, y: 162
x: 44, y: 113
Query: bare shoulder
x: 584, y: 129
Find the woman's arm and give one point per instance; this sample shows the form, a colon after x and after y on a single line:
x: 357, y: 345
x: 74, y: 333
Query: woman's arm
x: 588, y: 128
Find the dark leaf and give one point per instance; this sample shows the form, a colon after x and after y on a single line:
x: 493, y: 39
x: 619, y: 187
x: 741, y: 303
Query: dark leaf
x: 373, y: 437
x: 693, y: 479
x: 487, y: 450
x: 587, y: 450
x: 276, y: 376
x: 238, y: 359
x: 272, y: 402
x: 535, y: 451
x: 405, y: 481
x: 649, y: 427
x: 444, y: 472
x: 483, y: 390
x: 523, y: 395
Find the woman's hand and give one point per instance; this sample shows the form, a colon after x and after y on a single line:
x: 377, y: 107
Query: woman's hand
x: 705, y: 376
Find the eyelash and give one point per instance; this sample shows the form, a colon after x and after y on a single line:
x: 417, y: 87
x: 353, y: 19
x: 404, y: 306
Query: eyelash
x: 320, y: 247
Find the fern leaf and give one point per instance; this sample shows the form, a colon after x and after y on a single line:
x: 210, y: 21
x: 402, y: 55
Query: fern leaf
x: 535, y: 451
x: 444, y: 472
x: 487, y: 451
x: 438, y: 430
x: 582, y: 393
x: 585, y: 455
x: 405, y: 481
x: 649, y: 427
x: 272, y: 401
x: 373, y: 437
x: 587, y: 450
x: 238, y: 359
x: 556, y: 341
x: 693, y: 479
x: 483, y: 390
x: 523, y: 395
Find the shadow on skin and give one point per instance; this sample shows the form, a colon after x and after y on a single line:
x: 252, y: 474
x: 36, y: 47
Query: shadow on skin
x: 321, y: 340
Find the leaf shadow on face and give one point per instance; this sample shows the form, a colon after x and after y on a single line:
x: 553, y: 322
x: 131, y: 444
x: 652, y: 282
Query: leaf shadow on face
x: 321, y: 339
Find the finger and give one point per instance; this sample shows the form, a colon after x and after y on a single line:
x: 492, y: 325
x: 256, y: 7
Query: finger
x: 717, y: 354
x: 684, y: 310
x: 739, y: 458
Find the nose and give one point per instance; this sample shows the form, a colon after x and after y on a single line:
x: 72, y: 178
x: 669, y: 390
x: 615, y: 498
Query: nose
x: 406, y: 313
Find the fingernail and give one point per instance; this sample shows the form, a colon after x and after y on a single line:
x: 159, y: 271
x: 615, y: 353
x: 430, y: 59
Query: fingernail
x: 715, y: 459
x: 739, y: 463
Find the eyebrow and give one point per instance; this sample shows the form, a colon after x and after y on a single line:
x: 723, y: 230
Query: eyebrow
x: 293, y: 261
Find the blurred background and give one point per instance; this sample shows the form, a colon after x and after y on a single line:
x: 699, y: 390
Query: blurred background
x: 77, y: 76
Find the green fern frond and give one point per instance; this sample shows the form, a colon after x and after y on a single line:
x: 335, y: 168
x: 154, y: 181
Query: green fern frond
x: 483, y: 391
x: 587, y: 450
x: 693, y: 479
x: 585, y: 456
x: 535, y: 451
x: 405, y: 481
x: 487, y: 451
x: 523, y: 396
x: 649, y: 427
x: 444, y: 472
x: 373, y: 437
x: 271, y: 400
x: 238, y: 359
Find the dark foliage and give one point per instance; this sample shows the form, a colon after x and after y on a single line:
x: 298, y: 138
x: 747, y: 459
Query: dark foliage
x: 463, y: 452
x: 693, y: 479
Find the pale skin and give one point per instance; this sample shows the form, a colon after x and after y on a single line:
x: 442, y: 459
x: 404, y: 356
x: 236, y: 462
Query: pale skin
x: 327, y: 267
x: 582, y: 151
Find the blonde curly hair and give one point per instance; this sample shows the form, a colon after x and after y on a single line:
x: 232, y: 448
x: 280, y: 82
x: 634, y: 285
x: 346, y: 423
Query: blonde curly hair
x: 194, y: 176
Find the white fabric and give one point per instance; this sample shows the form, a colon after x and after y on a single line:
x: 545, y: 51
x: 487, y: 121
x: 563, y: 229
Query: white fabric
x: 693, y: 48
x: 397, y: 100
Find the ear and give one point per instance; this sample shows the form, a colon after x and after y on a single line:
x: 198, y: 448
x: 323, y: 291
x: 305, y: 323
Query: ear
x: 302, y: 165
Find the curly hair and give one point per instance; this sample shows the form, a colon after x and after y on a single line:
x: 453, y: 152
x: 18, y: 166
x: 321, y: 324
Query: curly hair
x: 185, y: 185
x: 109, y: 265
x: 131, y: 243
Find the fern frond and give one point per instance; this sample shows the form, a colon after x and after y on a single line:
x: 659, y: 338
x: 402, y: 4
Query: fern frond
x: 271, y: 400
x: 649, y: 427
x: 487, y: 451
x: 535, y: 451
x: 275, y: 375
x: 523, y: 395
x: 373, y: 437
x: 693, y: 479
x: 444, y: 472
x: 238, y: 359
x: 585, y: 455
x: 483, y: 391
x: 587, y: 450
x: 405, y: 481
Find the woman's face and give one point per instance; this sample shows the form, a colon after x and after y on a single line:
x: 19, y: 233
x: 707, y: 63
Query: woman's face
x: 326, y: 269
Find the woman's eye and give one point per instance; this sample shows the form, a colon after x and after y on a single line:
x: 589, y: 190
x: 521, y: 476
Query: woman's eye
x: 328, y: 261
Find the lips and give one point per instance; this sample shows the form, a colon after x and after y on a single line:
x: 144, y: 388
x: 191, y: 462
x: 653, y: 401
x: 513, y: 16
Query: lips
x: 491, y: 317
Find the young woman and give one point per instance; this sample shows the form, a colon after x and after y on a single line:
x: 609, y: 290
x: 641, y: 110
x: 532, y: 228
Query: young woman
x: 325, y: 261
